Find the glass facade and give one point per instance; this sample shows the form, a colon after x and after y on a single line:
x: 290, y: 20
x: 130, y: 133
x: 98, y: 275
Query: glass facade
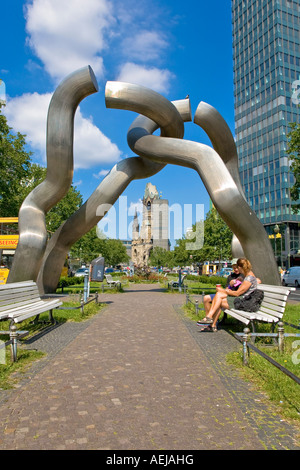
x: 266, y: 60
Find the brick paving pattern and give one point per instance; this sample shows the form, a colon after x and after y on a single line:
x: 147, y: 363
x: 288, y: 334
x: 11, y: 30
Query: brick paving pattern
x: 137, y: 376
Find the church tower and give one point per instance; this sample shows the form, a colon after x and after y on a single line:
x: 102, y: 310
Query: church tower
x: 154, y: 229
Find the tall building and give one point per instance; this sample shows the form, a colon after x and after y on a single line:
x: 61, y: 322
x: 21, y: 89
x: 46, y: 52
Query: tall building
x: 266, y: 56
x: 154, y: 229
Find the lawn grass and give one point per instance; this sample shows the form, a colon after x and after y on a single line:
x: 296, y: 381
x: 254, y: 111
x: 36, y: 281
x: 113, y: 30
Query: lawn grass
x: 12, y: 372
x: 282, y: 390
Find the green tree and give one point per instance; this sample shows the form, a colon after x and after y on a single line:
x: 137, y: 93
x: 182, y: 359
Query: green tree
x: 115, y: 252
x: 63, y: 209
x: 161, y: 257
x: 294, y: 154
x: 19, y: 176
x: 217, y: 239
x: 181, y: 255
x: 90, y: 246
x: 15, y: 165
x: 216, y: 246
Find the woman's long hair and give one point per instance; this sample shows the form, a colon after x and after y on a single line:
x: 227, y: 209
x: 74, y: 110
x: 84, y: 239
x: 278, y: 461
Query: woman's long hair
x: 245, y: 264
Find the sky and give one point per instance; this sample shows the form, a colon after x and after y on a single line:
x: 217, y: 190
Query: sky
x: 173, y: 47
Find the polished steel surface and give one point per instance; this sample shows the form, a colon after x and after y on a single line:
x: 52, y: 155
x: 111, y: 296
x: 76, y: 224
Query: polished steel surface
x: 223, y: 188
x: 60, y: 126
x: 217, y: 129
x: 170, y: 122
x: 217, y: 167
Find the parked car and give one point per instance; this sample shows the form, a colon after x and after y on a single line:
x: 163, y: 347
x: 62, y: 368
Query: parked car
x: 225, y: 272
x: 292, y: 276
x: 80, y: 272
x: 109, y: 270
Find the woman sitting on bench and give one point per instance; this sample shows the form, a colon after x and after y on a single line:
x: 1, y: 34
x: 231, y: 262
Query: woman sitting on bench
x: 224, y: 298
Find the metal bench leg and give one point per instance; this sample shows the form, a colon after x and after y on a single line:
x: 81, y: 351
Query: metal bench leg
x: 51, y: 318
x: 35, y: 321
x: 13, y: 333
x: 252, y: 338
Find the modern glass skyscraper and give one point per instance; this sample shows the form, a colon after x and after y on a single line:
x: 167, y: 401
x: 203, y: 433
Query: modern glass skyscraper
x: 266, y: 55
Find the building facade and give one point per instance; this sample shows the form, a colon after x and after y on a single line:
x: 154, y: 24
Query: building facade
x: 266, y: 56
x: 154, y: 229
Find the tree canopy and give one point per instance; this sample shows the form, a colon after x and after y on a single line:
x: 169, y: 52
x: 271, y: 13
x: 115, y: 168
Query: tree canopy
x: 216, y: 243
x: 294, y: 153
x: 15, y: 169
x: 90, y: 246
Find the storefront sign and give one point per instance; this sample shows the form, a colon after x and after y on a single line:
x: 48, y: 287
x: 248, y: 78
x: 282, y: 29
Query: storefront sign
x: 8, y: 241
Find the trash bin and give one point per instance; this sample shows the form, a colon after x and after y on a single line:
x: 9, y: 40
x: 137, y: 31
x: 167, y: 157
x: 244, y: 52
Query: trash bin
x: 97, y: 269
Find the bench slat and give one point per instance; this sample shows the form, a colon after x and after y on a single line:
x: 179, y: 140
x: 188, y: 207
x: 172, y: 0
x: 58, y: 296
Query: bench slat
x: 238, y: 316
x: 25, y: 306
x: 21, y: 300
x: 16, y: 285
x: 17, y: 292
x: 21, y: 316
x: 275, y: 301
x: 275, y: 289
x: 271, y: 312
x: 276, y: 308
x: 266, y: 317
x: 271, y: 309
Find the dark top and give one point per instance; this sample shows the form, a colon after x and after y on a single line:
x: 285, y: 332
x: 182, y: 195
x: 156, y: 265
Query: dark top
x: 233, y: 276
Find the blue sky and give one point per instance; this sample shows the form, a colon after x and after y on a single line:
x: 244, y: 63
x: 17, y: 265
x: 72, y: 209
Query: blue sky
x: 174, y: 47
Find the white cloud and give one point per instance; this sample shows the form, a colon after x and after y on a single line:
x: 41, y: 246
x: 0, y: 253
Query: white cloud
x: 28, y: 115
x: 136, y: 206
x: 66, y: 35
x: 144, y: 46
x: 100, y: 174
x: 151, y: 77
x: 91, y: 146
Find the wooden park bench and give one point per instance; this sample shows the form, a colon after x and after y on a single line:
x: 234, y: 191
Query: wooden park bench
x: 111, y: 282
x: 20, y: 301
x: 271, y: 309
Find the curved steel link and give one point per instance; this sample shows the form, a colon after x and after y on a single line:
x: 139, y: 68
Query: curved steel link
x: 169, y: 117
x: 221, y: 186
x: 217, y: 167
x: 60, y: 129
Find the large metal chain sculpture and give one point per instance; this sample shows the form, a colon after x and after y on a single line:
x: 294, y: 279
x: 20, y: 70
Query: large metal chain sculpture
x: 217, y: 167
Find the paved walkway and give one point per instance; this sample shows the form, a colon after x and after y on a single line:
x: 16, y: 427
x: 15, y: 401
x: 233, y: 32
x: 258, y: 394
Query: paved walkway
x: 137, y: 376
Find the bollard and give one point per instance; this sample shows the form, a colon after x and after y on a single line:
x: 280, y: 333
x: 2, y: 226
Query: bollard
x: 245, y: 346
x: 86, y: 285
x: 96, y: 298
x: 13, y: 336
x: 197, y: 307
x: 82, y: 305
x: 280, y: 337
